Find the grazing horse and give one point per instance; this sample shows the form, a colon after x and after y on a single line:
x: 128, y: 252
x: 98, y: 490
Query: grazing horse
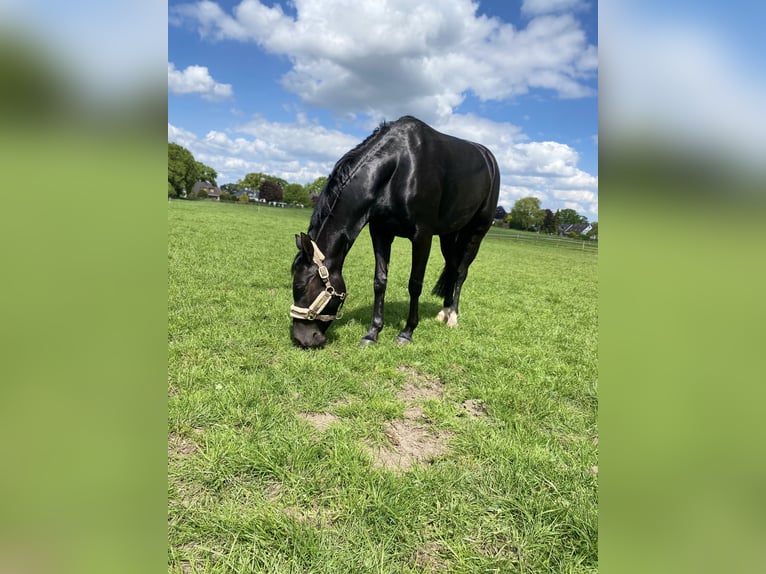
x: 405, y: 180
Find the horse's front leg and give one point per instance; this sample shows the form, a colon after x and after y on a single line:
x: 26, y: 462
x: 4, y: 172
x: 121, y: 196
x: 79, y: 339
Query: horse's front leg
x: 421, y: 248
x: 381, y: 243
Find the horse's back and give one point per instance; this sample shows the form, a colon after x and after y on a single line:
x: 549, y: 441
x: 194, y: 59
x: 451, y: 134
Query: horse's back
x: 453, y: 179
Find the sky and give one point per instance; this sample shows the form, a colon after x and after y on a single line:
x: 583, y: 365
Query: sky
x: 287, y: 87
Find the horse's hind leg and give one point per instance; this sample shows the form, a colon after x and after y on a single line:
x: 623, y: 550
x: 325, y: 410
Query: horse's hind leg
x: 445, y: 286
x: 466, y: 249
x: 381, y: 243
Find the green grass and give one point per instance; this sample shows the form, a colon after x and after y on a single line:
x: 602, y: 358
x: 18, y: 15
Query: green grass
x: 254, y: 487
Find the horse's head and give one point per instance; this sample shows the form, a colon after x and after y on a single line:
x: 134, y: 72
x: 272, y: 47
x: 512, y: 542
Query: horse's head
x: 318, y: 294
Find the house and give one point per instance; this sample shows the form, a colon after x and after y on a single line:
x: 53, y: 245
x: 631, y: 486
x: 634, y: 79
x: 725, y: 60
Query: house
x: 213, y: 192
x: 575, y: 228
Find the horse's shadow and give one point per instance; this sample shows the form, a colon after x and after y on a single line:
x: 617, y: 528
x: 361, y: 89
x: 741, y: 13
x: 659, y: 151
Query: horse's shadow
x: 395, y: 314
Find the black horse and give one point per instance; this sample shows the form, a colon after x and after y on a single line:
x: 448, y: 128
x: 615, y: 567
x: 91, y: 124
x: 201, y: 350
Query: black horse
x: 405, y: 180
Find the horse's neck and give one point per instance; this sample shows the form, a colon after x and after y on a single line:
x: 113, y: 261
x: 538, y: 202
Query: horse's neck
x: 338, y: 233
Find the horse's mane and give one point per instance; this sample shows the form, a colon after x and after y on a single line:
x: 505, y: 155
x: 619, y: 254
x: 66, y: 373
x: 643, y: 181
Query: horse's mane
x: 341, y: 174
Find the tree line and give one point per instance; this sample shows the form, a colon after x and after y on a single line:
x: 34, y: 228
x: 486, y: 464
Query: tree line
x: 528, y: 215
x: 184, y: 172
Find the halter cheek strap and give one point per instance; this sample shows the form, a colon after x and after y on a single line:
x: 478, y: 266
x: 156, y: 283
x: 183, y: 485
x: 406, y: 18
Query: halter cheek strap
x: 314, y: 311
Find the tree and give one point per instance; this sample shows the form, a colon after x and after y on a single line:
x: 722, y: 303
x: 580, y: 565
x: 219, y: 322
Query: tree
x: 571, y: 216
x: 296, y: 193
x: 271, y: 190
x: 316, y: 186
x: 593, y: 232
x: 183, y: 170
x: 230, y: 188
x: 251, y: 181
x: 526, y: 213
x: 278, y: 180
x: 548, y: 225
x: 207, y: 173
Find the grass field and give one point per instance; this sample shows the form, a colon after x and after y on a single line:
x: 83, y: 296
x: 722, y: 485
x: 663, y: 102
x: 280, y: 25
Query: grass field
x: 471, y: 450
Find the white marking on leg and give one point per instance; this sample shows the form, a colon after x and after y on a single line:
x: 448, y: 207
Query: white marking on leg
x: 452, y: 321
x: 442, y: 315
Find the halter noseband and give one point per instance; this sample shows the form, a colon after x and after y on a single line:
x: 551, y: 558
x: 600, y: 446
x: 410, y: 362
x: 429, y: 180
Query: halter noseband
x: 313, y: 311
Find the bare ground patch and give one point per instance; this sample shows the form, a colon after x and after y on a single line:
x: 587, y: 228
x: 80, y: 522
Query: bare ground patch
x: 409, y: 443
x: 180, y: 446
x: 315, y: 516
x: 473, y: 407
x: 189, y: 493
x: 412, y: 440
x: 419, y: 386
x: 427, y: 558
x: 320, y: 421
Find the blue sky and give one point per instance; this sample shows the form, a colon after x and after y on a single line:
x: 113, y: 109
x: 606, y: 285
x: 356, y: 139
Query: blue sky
x: 286, y: 88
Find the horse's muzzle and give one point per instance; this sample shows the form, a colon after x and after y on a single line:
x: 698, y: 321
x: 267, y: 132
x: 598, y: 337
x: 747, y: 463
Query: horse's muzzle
x: 307, y: 337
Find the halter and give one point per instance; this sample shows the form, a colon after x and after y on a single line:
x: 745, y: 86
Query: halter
x: 314, y: 310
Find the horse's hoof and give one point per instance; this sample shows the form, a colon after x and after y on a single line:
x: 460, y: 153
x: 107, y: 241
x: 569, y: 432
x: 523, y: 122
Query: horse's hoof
x: 365, y: 341
x: 442, y: 315
x: 403, y: 340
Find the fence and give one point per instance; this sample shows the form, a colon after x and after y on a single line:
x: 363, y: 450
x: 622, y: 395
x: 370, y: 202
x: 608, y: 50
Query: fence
x: 558, y: 242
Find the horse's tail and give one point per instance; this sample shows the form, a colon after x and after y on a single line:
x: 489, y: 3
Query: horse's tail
x: 445, y: 286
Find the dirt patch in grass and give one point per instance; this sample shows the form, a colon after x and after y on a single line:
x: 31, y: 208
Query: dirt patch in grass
x: 414, y: 413
x: 320, y: 421
x: 412, y: 440
x: 314, y: 516
x: 180, y: 446
x: 189, y: 493
x: 427, y: 558
x: 409, y: 442
x: 473, y: 407
x: 419, y: 386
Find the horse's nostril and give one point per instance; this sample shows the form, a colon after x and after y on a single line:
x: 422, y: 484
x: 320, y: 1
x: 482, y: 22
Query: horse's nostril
x: 319, y: 338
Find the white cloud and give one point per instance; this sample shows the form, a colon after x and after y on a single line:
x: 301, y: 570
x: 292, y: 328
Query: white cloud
x: 181, y: 136
x: 298, y: 152
x: 196, y: 80
x: 385, y: 58
x: 547, y: 170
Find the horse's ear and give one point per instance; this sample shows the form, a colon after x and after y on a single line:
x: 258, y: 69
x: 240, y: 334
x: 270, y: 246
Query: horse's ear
x: 303, y: 242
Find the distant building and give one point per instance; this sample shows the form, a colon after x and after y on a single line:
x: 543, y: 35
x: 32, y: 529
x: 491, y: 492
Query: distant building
x: 576, y: 228
x: 213, y: 192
